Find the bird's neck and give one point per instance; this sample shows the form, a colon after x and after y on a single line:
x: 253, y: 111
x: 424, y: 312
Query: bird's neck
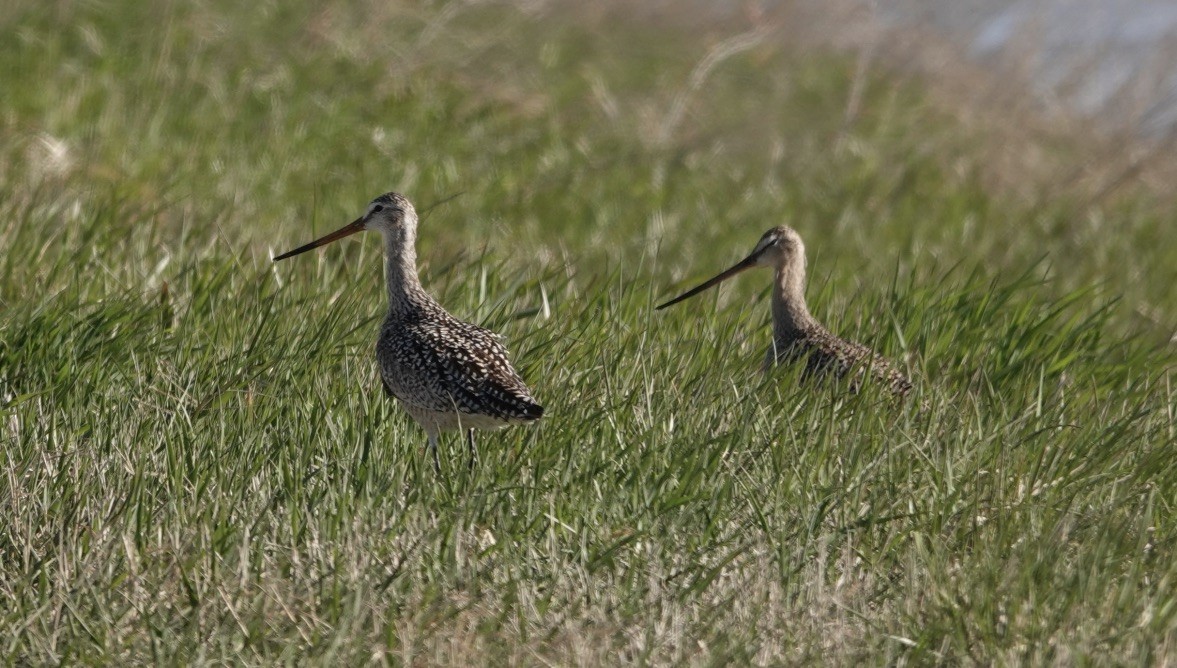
x: 400, y: 271
x: 790, y: 315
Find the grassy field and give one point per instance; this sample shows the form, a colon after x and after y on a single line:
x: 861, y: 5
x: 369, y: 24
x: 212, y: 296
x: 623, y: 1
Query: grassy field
x: 198, y: 465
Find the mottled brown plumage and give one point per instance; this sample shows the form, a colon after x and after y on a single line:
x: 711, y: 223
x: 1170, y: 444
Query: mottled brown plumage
x: 826, y: 354
x: 448, y: 374
x: 797, y: 335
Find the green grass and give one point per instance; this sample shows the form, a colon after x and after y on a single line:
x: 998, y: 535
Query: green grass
x: 198, y: 465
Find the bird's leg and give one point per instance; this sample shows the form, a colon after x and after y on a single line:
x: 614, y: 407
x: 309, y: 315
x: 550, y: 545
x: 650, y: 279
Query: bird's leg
x: 473, y: 449
x: 433, y: 451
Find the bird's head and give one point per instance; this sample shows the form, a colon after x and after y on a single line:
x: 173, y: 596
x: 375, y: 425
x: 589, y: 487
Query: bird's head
x: 780, y: 248
x: 777, y: 248
x: 391, y: 214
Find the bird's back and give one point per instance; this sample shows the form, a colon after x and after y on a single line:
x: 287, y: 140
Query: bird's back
x: 434, y: 362
x: 828, y: 355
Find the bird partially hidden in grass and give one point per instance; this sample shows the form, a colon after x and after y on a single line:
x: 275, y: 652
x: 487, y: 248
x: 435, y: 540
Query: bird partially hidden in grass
x: 448, y: 374
x: 797, y: 335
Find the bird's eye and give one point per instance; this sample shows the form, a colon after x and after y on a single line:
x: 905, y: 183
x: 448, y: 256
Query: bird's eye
x: 378, y: 208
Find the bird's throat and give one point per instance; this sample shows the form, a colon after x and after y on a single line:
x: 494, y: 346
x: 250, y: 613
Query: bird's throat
x: 400, y: 271
x: 790, y: 315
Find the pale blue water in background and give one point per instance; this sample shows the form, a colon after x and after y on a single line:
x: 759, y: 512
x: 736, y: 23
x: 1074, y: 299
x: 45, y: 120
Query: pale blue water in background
x: 1114, y: 61
x: 1087, y: 55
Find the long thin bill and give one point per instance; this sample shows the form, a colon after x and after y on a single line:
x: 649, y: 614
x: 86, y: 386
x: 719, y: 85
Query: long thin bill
x: 347, y: 230
x: 746, y: 263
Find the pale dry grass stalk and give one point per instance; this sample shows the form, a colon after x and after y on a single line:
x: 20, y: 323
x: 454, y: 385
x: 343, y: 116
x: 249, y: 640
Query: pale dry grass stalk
x: 732, y: 46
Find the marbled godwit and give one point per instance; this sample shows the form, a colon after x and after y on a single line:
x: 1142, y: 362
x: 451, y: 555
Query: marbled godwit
x: 448, y: 374
x: 797, y: 335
